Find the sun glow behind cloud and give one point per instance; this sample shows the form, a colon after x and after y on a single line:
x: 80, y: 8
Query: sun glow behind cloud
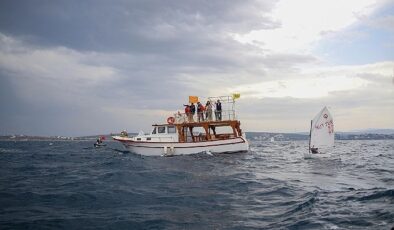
x: 301, y: 88
x: 303, y: 25
x: 304, y: 22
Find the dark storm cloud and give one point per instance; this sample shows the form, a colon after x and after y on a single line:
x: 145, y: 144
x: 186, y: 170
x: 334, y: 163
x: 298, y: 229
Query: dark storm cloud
x: 64, y: 60
x: 156, y: 33
x: 138, y: 26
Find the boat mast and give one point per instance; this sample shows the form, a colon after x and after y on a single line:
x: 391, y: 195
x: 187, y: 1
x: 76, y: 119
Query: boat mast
x: 310, y: 137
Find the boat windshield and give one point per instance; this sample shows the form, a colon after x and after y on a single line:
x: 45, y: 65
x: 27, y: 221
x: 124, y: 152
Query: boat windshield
x: 161, y: 129
x: 170, y: 129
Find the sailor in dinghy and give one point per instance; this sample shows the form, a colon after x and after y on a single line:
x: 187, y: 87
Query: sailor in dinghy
x: 99, y: 142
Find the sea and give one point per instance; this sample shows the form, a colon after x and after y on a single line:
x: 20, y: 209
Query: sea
x: 72, y: 185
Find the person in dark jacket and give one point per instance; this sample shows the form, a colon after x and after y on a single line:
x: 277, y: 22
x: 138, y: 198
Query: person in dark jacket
x: 193, y: 109
x: 218, y: 111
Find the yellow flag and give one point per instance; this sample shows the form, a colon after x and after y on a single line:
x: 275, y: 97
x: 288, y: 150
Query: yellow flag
x: 193, y: 99
x: 236, y: 95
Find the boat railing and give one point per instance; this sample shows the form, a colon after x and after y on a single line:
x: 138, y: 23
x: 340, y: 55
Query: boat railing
x: 224, y: 115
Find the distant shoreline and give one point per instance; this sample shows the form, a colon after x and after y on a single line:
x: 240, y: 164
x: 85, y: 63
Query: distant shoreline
x: 265, y: 136
x: 258, y: 136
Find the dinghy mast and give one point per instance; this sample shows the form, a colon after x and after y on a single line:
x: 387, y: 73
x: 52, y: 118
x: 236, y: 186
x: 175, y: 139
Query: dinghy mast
x: 310, y: 137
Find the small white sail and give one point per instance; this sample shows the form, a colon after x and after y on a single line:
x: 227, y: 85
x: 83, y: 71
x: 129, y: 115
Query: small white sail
x: 322, y: 130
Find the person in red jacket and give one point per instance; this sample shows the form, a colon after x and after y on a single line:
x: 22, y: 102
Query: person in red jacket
x: 188, y: 113
x: 200, y: 112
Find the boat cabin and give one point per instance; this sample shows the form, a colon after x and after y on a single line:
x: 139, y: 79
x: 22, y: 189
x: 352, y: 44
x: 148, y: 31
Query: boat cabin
x: 159, y: 133
x: 193, y: 132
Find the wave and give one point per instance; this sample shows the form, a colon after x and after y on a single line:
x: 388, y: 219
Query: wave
x: 281, y: 191
x: 378, y: 195
x: 271, y: 188
x: 306, y: 203
x: 16, y: 151
x: 370, y: 196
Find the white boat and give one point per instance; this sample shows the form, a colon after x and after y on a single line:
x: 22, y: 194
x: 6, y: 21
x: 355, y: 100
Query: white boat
x: 321, y: 135
x: 182, y: 135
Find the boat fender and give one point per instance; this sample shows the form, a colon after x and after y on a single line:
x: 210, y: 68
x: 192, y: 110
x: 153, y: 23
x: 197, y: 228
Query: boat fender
x: 172, y: 149
x: 170, y: 120
x: 165, y: 150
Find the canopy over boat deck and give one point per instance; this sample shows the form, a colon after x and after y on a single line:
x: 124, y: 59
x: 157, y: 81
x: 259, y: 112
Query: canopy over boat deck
x: 185, y: 123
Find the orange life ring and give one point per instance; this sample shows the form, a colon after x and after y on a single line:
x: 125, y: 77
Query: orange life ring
x: 170, y: 120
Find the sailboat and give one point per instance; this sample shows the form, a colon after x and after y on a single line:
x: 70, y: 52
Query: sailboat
x: 321, y: 135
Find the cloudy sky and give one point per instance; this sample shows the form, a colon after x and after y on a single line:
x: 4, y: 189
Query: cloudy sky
x: 89, y: 67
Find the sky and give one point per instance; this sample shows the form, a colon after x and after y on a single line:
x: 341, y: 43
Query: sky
x: 75, y: 68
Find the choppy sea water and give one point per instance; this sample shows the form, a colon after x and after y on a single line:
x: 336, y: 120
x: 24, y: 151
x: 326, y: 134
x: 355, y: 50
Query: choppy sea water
x: 71, y: 185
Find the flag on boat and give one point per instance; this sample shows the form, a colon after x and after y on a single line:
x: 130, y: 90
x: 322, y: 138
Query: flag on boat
x: 193, y: 99
x: 236, y: 95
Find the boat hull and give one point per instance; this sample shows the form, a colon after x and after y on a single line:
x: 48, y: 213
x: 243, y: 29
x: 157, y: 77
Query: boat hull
x: 238, y: 144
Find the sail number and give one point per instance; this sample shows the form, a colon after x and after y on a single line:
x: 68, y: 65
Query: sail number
x: 329, y: 124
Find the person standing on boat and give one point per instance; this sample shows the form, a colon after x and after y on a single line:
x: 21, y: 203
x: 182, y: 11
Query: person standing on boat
x: 208, y: 108
x: 218, y: 111
x: 200, y: 112
x: 188, y: 113
x: 192, y: 110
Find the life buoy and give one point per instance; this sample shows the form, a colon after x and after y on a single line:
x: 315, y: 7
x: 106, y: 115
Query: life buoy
x: 170, y: 120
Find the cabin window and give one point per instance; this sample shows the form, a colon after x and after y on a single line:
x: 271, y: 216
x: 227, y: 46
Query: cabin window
x: 161, y: 129
x: 154, y: 131
x: 148, y: 138
x: 171, y: 129
x: 138, y: 139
